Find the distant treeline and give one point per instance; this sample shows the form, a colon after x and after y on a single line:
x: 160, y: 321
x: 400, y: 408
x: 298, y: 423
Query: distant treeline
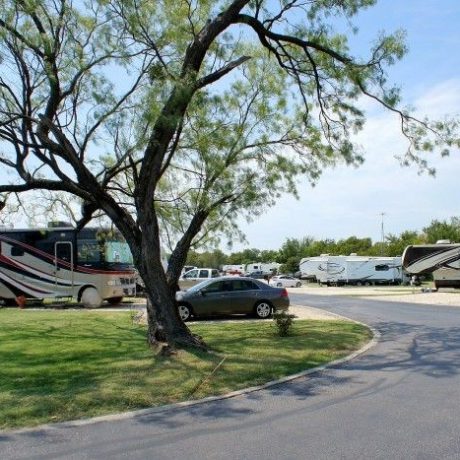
x: 294, y: 249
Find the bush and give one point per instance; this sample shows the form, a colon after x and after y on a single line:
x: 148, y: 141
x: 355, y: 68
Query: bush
x: 283, y: 322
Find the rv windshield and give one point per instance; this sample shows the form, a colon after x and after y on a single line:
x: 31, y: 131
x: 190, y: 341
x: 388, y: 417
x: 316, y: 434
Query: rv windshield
x: 118, y: 252
x: 92, y: 251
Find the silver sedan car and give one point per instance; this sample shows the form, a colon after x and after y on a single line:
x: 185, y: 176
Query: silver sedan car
x: 231, y: 295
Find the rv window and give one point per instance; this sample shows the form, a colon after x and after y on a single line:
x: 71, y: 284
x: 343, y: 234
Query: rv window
x: 90, y: 251
x: 64, y: 251
x: 382, y: 268
x: 17, y: 251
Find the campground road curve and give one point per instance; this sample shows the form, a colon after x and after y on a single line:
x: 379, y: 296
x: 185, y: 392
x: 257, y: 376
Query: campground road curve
x: 400, y: 400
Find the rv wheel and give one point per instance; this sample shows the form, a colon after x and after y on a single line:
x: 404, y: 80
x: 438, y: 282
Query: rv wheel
x: 90, y: 298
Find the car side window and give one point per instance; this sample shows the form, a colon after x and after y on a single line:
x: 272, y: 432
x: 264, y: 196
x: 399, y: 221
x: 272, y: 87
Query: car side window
x: 192, y: 274
x: 250, y: 285
x: 243, y: 285
x: 203, y: 273
x: 215, y: 287
x: 215, y: 274
x: 237, y: 285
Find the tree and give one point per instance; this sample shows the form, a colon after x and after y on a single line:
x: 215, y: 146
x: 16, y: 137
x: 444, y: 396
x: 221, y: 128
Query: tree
x: 443, y: 230
x: 173, y: 117
x: 211, y: 259
x: 244, y: 257
x: 294, y: 248
x: 290, y: 266
x: 395, y: 245
x: 360, y: 246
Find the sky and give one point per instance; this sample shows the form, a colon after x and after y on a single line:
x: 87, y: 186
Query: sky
x: 350, y: 202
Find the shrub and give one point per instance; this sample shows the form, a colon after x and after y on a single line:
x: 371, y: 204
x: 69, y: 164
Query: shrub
x: 283, y: 322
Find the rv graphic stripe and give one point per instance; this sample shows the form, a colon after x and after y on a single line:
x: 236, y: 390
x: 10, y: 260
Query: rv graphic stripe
x: 23, y: 288
x: 429, y: 262
x: 7, y: 264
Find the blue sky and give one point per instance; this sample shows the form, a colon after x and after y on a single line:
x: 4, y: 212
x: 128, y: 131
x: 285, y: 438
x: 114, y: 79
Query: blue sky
x: 348, y: 201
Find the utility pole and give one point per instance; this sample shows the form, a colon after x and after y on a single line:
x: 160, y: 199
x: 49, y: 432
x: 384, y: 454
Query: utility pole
x: 383, y: 234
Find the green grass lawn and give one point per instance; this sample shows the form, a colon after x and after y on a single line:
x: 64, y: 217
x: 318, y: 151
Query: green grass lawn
x: 63, y: 365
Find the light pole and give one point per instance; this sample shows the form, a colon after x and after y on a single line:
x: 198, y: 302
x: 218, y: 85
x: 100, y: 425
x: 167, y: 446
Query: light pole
x: 383, y: 233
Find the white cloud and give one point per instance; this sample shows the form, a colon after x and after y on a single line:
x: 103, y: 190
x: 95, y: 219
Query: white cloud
x: 349, y: 201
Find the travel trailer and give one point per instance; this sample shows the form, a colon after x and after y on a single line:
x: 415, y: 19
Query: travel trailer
x: 269, y: 268
x: 441, y: 259
x: 90, y: 265
x: 354, y: 270
x: 309, y: 267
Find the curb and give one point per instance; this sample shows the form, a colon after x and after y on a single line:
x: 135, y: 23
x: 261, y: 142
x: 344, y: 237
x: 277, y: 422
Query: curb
x: 184, y: 404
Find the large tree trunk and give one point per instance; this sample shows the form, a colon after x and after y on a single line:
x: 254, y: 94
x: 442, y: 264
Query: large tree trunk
x: 165, y: 327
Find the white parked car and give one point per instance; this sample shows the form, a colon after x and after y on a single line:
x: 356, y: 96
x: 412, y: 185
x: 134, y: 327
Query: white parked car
x: 285, y: 281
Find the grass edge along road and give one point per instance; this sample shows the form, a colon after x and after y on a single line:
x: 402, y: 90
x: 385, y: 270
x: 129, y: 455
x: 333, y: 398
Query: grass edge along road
x: 64, y: 365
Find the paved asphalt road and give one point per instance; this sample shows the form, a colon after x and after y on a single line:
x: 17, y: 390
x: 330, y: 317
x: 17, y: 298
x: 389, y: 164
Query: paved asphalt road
x: 400, y: 400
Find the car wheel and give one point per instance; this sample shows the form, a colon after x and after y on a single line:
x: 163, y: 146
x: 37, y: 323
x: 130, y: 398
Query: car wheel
x: 185, y: 312
x: 263, y: 310
x: 279, y: 284
x: 298, y: 284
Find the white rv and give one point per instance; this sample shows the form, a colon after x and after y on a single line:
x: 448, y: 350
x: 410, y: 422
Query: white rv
x: 311, y: 267
x: 268, y: 268
x: 359, y: 270
x: 90, y: 265
x: 441, y: 259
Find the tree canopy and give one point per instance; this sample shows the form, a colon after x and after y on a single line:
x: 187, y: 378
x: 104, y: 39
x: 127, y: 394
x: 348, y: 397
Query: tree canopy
x: 174, y: 117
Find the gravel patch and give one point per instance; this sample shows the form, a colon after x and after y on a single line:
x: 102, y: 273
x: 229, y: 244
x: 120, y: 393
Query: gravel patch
x: 389, y: 294
x: 302, y: 312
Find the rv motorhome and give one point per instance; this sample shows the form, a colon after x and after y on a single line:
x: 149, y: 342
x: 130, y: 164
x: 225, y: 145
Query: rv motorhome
x: 441, y: 259
x: 90, y: 265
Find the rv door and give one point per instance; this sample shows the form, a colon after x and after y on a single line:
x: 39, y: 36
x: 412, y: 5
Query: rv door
x: 63, y: 255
